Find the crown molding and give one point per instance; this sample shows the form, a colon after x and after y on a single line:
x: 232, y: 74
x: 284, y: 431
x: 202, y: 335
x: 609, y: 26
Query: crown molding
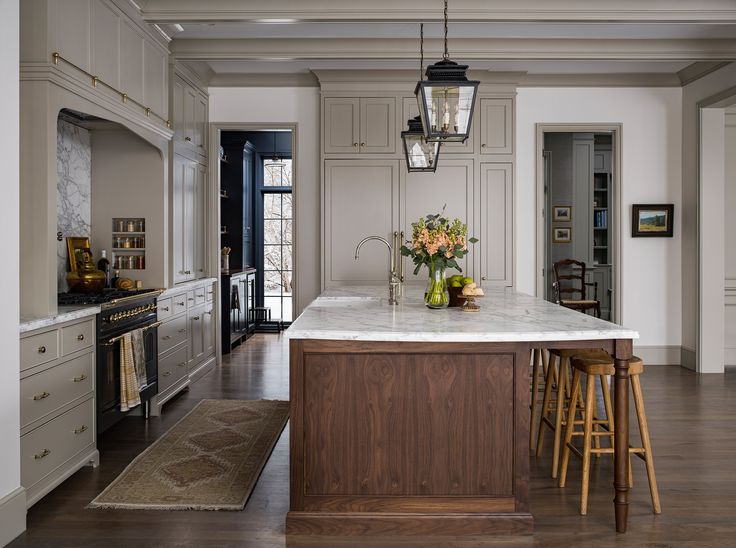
x: 617, y: 80
x: 264, y: 80
x: 466, y: 49
x: 703, y: 11
x: 697, y: 70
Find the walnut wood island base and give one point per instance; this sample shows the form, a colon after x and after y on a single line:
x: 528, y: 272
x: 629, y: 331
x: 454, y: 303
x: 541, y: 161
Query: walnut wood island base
x: 419, y: 437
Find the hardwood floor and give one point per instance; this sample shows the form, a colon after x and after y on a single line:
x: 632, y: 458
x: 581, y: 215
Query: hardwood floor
x: 691, y: 424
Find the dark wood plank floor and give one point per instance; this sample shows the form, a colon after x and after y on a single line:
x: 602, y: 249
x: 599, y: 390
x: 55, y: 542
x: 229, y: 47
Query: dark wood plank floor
x: 691, y: 419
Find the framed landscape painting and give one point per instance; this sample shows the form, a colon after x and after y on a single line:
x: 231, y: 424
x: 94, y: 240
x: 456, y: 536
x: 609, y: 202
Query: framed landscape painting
x: 652, y: 220
x: 562, y: 214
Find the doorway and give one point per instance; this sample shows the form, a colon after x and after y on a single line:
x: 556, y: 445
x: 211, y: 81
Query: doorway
x: 578, y: 189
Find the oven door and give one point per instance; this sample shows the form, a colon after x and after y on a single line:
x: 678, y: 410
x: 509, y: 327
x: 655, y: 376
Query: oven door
x: 108, y: 376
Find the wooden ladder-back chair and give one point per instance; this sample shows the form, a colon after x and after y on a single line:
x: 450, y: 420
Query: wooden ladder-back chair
x: 570, y: 287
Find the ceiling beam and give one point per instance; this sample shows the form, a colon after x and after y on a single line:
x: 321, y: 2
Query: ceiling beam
x: 180, y: 11
x: 465, y: 49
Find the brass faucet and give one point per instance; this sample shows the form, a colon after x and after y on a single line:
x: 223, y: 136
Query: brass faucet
x: 393, y: 279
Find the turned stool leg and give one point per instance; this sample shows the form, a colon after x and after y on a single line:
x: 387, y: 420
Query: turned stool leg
x: 587, y: 438
x: 561, y: 391
x: 569, y: 430
x: 546, y: 402
x: 644, y: 429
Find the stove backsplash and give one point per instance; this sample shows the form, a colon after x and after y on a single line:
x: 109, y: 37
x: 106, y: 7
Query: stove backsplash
x: 73, y: 187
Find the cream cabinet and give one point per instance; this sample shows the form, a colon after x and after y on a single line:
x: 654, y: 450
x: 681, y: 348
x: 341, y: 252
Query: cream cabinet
x: 57, y: 405
x: 410, y: 109
x: 496, y: 125
x: 188, y: 207
x: 189, y: 113
x: 493, y: 254
x: 186, y: 338
x: 362, y: 125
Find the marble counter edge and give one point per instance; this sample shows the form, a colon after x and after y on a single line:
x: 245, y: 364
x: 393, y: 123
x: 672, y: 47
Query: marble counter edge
x: 63, y: 316
x: 447, y: 337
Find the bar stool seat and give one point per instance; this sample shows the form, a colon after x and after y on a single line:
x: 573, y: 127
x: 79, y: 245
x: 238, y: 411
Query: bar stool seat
x: 557, y: 379
x: 595, y: 366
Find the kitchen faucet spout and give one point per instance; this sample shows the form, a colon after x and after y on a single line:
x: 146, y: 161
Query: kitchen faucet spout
x: 393, y: 281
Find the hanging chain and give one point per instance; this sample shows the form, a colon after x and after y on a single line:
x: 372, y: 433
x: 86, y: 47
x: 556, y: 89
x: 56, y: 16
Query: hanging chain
x: 445, y: 55
x: 421, y: 49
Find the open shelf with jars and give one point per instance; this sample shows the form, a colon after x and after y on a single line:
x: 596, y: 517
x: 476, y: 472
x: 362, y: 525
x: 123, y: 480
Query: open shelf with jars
x: 129, y: 243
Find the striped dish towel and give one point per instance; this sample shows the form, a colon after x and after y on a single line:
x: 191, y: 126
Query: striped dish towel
x: 139, y: 357
x: 129, y: 388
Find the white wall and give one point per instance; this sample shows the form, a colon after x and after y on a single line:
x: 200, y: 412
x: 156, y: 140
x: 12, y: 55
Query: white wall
x: 287, y: 105
x: 730, y: 242
x: 651, y: 173
x: 12, y: 501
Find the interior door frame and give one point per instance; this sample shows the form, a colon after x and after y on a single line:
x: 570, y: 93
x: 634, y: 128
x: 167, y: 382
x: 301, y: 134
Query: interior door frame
x: 213, y: 205
x: 616, y: 130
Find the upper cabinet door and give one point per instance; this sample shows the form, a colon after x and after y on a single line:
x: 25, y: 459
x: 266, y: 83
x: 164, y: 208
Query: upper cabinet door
x: 190, y: 108
x: 178, y: 108
x: 105, y: 51
x: 450, y: 187
x: 341, y: 119
x: 494, y: 229
x: 378, y: 125
x: 131, y: 61
x: 200, y: 136
x: 411, y: 109
x: 361, y: 199
x: 496, y: 126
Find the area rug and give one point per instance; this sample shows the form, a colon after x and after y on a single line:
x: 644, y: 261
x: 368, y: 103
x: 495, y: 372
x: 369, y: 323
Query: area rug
x: 209, y: 460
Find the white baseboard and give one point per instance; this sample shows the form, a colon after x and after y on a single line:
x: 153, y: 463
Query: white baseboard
x: 658, y: 355
x: 688, y: 358
x: 12, y: 515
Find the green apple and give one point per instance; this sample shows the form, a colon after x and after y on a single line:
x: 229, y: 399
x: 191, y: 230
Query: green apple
x: 466, y: 280
x: 456, y: 278
x: 455, y: 283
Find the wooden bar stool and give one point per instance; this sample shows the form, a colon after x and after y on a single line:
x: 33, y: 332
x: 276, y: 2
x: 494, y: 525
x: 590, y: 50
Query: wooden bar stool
x: 540, y: 362
x: 594, y: 366
x: 558, y: 377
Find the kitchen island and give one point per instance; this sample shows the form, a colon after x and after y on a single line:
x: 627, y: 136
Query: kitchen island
x: 406, y: 420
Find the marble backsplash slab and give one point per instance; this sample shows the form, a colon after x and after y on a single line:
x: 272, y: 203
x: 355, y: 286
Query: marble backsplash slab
x: 74, y: 189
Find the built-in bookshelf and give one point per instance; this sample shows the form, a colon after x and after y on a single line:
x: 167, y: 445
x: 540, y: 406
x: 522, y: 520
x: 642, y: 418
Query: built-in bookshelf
x: 129, y: 243
x: 601, y: 218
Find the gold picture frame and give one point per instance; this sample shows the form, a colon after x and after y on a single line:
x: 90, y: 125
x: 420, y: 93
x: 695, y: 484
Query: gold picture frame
x: 561, y: 235
x: 75, y: 246
x: 562, y: 214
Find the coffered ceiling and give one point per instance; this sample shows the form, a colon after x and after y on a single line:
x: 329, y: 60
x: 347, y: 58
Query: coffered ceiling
x: 653, y: 40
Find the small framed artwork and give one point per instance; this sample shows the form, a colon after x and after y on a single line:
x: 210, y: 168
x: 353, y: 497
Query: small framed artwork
x: 562, y: 214
x: 76, y: 247
x: 652, y: 220
x: 561, y: 235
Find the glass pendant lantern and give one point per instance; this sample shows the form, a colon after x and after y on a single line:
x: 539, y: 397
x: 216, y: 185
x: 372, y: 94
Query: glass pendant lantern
x: 421, y: 155
x: 446, y: 99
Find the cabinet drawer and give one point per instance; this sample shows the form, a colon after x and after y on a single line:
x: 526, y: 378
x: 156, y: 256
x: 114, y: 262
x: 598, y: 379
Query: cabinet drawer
x: 165, y: 308
x: 47, y: 391
x: 45, y: 448
x: 200, y: 296
x: 191, y: 301
x: 179, y: 303
x: 172, y: 368
x: 76, y: 337
x: 172, y: 333
x: 38, y: 349
x: 209, y: 292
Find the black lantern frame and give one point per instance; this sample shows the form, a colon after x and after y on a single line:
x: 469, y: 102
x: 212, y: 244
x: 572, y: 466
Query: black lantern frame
x: 421, y: 155
x: 446, y: 99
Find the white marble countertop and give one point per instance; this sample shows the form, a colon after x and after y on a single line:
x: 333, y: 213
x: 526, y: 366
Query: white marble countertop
x: 363, y: 314
x: 65, y: 314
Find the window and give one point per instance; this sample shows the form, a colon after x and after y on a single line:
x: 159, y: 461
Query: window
x: 277, y: 238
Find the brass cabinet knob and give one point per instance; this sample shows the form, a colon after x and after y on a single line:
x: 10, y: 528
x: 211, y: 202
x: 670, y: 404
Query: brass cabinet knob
x: 182, y: 364
x: 182, y: 331
x: 80, y: 378
x: 181, y: 303
x: 165, y: 337
x: 362, y: 144
x: 42, y: 454
x: 483, y: 145
x: 482, y: 277
x: 81, y: 429
x: 41, y: 349
x: 189, y: 139
x: 42, y: 396
x: 80, y: 337
x: 165, y: 308
x: 355, y: 145
x: 166, y: 373
x: 190, y: 299
x: 195, y: 318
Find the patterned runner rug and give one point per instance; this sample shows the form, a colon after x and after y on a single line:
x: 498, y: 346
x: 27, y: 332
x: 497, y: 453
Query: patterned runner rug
x: 209, y: 460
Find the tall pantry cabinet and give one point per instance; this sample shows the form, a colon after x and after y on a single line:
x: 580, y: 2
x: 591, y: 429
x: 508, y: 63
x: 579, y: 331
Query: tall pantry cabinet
x: 366, y: 189
x: 189, y: 115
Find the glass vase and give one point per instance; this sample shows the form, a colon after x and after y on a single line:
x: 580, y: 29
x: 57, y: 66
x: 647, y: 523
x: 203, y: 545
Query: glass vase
x: 436, y: 295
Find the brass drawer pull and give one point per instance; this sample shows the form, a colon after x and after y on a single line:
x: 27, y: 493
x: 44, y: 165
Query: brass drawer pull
x: 209, y: 312
x: 181, y: 303
x: 165, y: 308
x: 80, y: 378
x: 81, y: 429
x: 182, y: 331
x: 80, y: 337
x: 195, y: 318
x: 166, y: 373
x: 188, y: 139
x: 41, y: 396
x: 200, y: 296
x: 182, y: 364
x: 41, y: 349
x: 42, y: 454
x: 190, y: 299
x: 165, y: 337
